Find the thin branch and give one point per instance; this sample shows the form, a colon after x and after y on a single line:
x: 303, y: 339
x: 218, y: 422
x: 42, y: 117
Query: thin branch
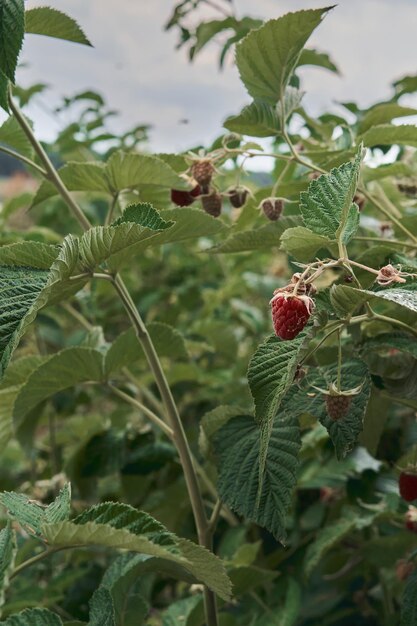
x: 24, y: 159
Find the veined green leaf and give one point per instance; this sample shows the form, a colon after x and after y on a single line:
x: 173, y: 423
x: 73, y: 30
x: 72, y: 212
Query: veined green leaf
x: 102, y: 611
x: 84, y: 176
x: 238, y: 445
x: 383, y: 113
x: 4, y: 91
x: 327, y: 207
x: 53, y: 23
x: 130, y: 171
x: 262, y: 238
x: 409, y: 601
x: 258, y: 119
x: 8, y: 550
x: 309, y: 56
x: 347, y: 299
x: 389, y: 134
x: 12, y: 135
x: 12, y: 30
x: 302, y: 243
x: 267, y: 56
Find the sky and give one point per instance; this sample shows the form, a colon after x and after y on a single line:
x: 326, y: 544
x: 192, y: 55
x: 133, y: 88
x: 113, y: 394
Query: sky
x: 135, y: 66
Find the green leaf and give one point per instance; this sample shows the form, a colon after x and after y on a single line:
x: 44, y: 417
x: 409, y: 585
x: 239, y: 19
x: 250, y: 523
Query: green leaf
x: 179, y: 612
x: 327, y: 207
x: 267, y: 56
x: 388, y: 134
x: 32, y: 515
x: 102, y: 611
x: 120, y: 526
x: 258, y: 119
x: 8, y: 550
x: 20, y: 289
x: 383, y: 113
x: 409, y: 602
x: 53, y: 23
x: 33, y: 617
x: 130, y: 171
x: 12, y: 30
x: 263, y: 238
x: 383, y: 171
x: 347, y: 299
x: 126, y: 349
x: 292, y: 606
x: 290, y: 102
x: 310, y: 56
x: 238, y: 445
x: 4, y: 91
x: 325, y: 540
x: 77, y: 177
x: 61, y: 371
x: 12, y: 135
x: 213, y: 420
x: 302, y: 243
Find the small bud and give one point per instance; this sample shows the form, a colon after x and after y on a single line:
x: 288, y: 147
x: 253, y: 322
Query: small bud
x: 272, y: 208
x: 388, y: 275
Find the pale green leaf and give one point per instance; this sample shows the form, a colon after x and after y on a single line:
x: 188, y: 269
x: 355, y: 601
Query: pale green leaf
x: 347, y: 299
x: 29, y: 254
x: 327, y: 207
x: 102, y: 611
x: 238, y: 447
x: 383, y: 113
x: 258, y: 119
x: 53, y: 23
x: 130, y: 171
x: 12, y: 30
x: 84, y: 176
x: 383, y: 171
x: 179, y: 612
x: 33, y: 617
x: 389, y: 134
x: 262, y: 238
x: 290, y: 102
x: 267, y: 56
x: 302, y: 243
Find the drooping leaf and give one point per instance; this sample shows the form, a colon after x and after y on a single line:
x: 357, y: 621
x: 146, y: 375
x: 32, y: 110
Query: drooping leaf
x: 383, y: 171
x: 4, y: 91
x: 102, y: 611
x: 409, y: 601
x: 33, y: 617
x: 238, y: 447
x: 258, y: 119
x: 327, y: 207
x: 53, y: 23
x: 179, y: 612
x: 12, y: 30
x: 383, y: 113
x: 302, y: 243
x: 325, y: 540
x: 8, y: 550
x: 264, y: 237
x: 12, y: 135
x: 84, y: 176
x: 267, y: 56
x: 130, y: 171
x: 347, y: 299
x: 309, y: 56
x: 213, y: 420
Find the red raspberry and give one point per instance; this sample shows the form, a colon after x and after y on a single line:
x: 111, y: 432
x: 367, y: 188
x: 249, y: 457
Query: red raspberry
x: 212, y: 203
x: 408, y: 485
x: 238, y: 196
x: 272, y: 208
x: 184, y: 198
x: 290, y: 313
x: 337, y: 406
x: 202, y: 172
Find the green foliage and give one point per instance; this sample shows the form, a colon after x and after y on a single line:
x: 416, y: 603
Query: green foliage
x: 53, y: 23
x: 12, y: 28
x: 34, y: 617
x: 8, y: 550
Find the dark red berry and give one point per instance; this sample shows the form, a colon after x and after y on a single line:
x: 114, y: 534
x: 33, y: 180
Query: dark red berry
x: 290, y: 314
x: 212, y: 203
x: 238, y: 196
x: 408, y: 485
x: 337, y: 406
x: 184, y: 198
x: 272, y: 208
x: 202, y: 172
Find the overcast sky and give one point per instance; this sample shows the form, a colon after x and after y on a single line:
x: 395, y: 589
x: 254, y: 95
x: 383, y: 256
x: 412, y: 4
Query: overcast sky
x: 134, y: 63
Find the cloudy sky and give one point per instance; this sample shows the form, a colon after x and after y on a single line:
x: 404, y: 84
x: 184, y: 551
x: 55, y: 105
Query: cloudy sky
x: 134, y: 63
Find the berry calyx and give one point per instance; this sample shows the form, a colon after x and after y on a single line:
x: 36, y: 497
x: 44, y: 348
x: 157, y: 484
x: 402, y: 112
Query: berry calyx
x: 202, y: 172
x: 411, y: 519
x: 212, y: 203
x: 272, y: 208
x: 182, y: 197
x: 360, y: 200
x: 408, y: 484
x: 238, y: 196
x: 290, y: 313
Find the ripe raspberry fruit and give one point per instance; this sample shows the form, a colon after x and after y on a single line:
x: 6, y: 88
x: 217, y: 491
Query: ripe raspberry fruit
x: 290, y: 313
x: 272, y: 208
x: 202, y: 172
x: 408, y: 485
x: 184, y: 198
x: 212, y: 203
x: 238, y: 196
x: 337, y: 406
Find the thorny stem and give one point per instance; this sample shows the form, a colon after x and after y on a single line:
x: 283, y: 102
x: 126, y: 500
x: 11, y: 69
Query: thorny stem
x: 179, y: 436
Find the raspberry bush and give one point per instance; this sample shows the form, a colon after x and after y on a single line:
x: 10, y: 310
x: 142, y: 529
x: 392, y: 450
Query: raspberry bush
x: 170, y: 453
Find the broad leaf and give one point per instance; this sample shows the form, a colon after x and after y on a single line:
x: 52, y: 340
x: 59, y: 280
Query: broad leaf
x: 130, y: 171
x: 325, y: 540
x: 213, y: 420
x: 32, y: 515
x: 258, y: 119
x: 4, y: 91
x: 179, y: 612
x: 12, y: 30
x: 102, y: 611
x: 389, y: 134
x: 383, y: 171
x: 8, y: 550
x: 53, y: 23
x: 267, y: 56
x: 347, y: 299
x: 409, y: 602
x: 302, y: 243
x: 327, y: 207
x: 263, y: 238
x: 33, y: 617
x: 238, y: 446
x: 309, y: 56
x: 383, y: 113
x: 77, y: 177
x: 12, y: 135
